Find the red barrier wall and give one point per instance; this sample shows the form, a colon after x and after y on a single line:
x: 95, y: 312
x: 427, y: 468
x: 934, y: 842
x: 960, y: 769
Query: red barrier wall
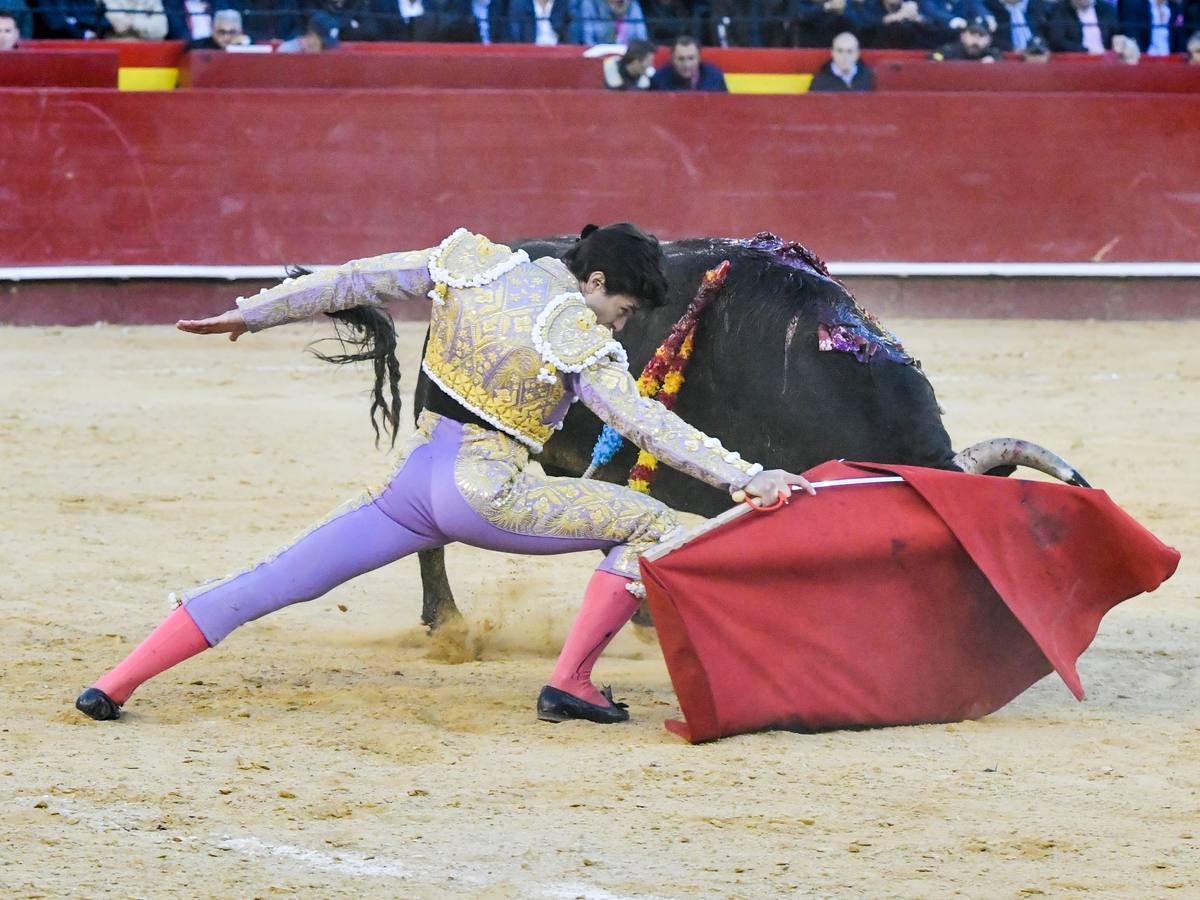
x: 729, y: 59
x: 1115, y: 77
x: 265, y: 177
x: 164, y: 54
x: 215, y: 69
x: 58, y: 68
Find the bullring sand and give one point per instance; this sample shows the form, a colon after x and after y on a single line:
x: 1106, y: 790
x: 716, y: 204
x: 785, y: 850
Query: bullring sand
x: 333, y: 750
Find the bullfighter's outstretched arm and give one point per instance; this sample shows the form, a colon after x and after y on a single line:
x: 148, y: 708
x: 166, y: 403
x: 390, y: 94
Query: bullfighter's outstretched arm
x: 608, y: 390
x: 360, y: 282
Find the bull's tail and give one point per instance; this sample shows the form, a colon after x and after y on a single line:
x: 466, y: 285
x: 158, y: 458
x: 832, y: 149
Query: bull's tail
x: 1005, y: 453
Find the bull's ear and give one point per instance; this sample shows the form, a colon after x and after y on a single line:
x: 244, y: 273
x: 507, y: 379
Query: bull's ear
x: 588, y: 229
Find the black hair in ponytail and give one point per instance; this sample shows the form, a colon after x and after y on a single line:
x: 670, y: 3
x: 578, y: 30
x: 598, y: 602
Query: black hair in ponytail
x: 368, y: 334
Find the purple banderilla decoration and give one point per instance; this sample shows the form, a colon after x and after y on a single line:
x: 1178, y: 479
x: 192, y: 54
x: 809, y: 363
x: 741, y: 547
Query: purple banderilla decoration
x: 843, y: 325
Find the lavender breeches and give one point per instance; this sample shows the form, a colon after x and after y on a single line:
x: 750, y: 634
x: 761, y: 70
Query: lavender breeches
x: 457, y: 483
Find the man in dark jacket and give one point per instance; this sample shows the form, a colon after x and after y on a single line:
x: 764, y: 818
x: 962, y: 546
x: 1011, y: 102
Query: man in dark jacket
x: 686, y: 71
x: 1017, y: 22
x: 1081, y: 26
x: 226, y: 32
x: 894, y: 24
x: 267, y: 20
x: 632, y: 71
x: 80, y: 20
x: 844, y: 71
x: 444, y: 21
x: 356, y: 19
x: 974, y: 44
x: 546, y: 22
x: 1157, y: 25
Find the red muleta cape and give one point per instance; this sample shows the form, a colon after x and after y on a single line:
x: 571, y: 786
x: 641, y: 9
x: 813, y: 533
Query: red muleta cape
x: 933, y: 600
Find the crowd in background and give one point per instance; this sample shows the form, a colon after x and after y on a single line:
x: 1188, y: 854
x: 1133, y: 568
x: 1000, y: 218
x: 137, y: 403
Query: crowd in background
x: 1157, y: 27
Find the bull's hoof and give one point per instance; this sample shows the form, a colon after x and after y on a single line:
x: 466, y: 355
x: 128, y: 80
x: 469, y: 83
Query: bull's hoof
x: 554, y: 705
x: 441, y: 618
x: 96, y: 704
x: 642, y: 616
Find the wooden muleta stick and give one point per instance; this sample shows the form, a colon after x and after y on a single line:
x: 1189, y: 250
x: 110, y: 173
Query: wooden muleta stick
x: 685, y: 536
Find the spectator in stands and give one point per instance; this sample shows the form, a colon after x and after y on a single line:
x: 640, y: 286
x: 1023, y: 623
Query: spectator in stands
x: 612, y: 22
x: 893, y: 24
x: 1081, y: 26
x: 22, y: 19
x: 844, y: 71
x: 632, y: 71
x: 188, y: 20
x: 1016, y: 22
x: 491, y: 20
x: 687, y: 72
x: 1126, y: 50
x: 1036, y: 50
x: 321, y: 34
x: 1156, y: 25
x: 751, y: 23
x: 950, y: 17
x: 10, y: 35
x: 458, y: 21
x: 445, y: 21
x: 356, y: 19
x: 543, y: 22
x: 405, y: 20
x: 667, y: 18
x: 267, y: 20
x: 78, y: 20
x: 226, y: 32
x: 974, y: 44
x: 1193, y: 49
x: 135, y: 20
x: 817, y: 23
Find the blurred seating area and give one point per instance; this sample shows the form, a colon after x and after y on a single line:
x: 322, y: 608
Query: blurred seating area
x: 164, y: 65
x: 1158, y: 27
x: 747, y: 46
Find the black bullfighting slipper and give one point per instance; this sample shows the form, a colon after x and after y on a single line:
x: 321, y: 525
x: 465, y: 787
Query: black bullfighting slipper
x: 554, y: 705
x: 98, y: 705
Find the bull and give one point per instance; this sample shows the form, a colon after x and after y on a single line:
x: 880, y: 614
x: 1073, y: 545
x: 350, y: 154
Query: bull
x: 786, y: 368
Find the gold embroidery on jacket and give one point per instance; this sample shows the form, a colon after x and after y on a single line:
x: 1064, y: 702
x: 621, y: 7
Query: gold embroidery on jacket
x: 481, y: 351
x: 490, y: 473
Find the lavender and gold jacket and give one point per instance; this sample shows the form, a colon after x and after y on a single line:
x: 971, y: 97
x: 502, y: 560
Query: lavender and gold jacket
x: 510, y: 339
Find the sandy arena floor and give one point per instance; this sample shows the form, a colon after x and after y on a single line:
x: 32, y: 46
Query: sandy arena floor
x: 335, y: 751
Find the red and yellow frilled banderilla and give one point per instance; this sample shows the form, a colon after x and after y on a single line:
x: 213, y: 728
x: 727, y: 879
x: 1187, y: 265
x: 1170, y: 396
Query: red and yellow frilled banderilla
x: 662, y: 379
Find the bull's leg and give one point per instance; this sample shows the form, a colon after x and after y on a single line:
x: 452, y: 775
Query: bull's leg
x: 642, y: 616
x: 437, y: 600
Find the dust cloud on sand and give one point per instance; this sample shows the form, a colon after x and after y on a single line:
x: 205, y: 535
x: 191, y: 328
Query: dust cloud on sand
x: 333, y: 750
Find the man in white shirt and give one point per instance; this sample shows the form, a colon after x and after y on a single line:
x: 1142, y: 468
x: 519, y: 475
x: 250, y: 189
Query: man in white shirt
x: 1081, y: 26
x: 542, y: 22
x: 1158, y: 26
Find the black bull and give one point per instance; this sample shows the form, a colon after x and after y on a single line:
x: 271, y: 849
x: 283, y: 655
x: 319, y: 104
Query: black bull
x: 757, y: 380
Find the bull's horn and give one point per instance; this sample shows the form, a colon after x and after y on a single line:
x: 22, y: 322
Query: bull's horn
x: 988, y: 455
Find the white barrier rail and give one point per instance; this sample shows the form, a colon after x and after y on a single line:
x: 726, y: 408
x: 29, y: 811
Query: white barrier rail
x: 840, y: 269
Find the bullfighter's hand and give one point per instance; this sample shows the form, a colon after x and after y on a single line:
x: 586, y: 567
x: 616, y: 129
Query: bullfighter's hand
x: 769, y: 486
x: 231, y: 323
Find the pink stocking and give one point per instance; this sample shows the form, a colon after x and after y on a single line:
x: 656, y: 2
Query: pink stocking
x: 175, y: 640
x: 606, y: 607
